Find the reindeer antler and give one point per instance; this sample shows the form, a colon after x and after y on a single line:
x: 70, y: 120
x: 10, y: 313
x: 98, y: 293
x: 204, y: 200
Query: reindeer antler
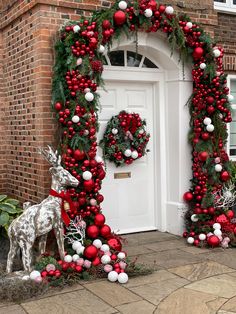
x: 50, y: 156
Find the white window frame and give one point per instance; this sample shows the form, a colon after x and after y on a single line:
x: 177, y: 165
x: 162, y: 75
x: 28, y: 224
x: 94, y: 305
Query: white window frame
x: 227, y: 7
x: 230, y: 77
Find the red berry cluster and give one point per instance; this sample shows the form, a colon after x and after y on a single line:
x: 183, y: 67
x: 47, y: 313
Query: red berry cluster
x: 78, y: 83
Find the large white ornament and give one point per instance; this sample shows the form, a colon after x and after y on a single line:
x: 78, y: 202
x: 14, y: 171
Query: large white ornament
x: 68, y: 259
x: 169, y: 10
x: 190, y: 240
x: 97, y: 243
x: 75, y: 257
x: 101, y: 49
x: 121, y: 255
x: 112, y: 276
x: 202, y: 236
x: 79, y: 61
x: 105, y: 248
x: 123, y: 278
x: 194, y: 218
x: 218, y: 168
x: 189, y: 24
x: 80, y: 250
x: 127, y: 153
x: 122, y: 5
x: 75, y: 119
x: 207, y: 121
x: 76, y: 28
x: 87, y: 175
x: 218, y: 232
x: 114, y: 131
x: 98, y: 159
x: 217, y: 226
x: 89, y: 96
x: 76, y: 245
x: 230, y: 97
x: 148, y: 12
x: 210, y: 127
x: 93, y: 202
x: 216, y: 53
x: 202, y: 65
x: 34, y: 274
x: 105, y: 259
x: 134, y: 154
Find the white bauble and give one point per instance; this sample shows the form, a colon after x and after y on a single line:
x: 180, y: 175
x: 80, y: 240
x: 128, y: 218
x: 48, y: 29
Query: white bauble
x: 190, y: 240
x: 123, y: 278
x: 207, y: 121
x: 148, y: 12
x: 141, y: 131
x: 97, y: 243
x: 68, y: 259
x: 210, y: 127
x: 34, y: 274
x: 127, y: 153
x: 209, y: 234
x: 93, y: 202
x: 87, y: 175
x: 230, y: 97
x: 108, y: 268
x: 89, y: 96
x: 218, y: 232
x: 169, y: 10
x: 216, y: 53
x: 194, y: 218
x: 105, y: 248
x: 80, y: 250
x: 202, y: 65
x: 75, y: 119
x: 220, y: 115
x: 134, y: 154
x: 86, y: 132
x: 202, y: 236
x: 26, y: 277
x: 98, y: 159
x: 76, y: 28
x: 112, y: 276
x: 217, y: 160
x: 217, y: 226
x: 105, y: 259
x: 189, y: 24
x: 101, y: 49
x: 122, y: 5
x: 79, y: 61
x: 114, y: 131
x: 218, y: 168
x: 121, y: 255
x: 86, y: 90
x: 75, y: 257
x: 76, y: 245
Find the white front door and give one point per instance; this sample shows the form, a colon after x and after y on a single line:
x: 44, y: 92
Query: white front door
x: 129, y: 203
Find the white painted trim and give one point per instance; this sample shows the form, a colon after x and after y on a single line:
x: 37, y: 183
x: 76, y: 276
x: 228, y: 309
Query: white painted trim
x: 229, y: 78
x: 135, y: 230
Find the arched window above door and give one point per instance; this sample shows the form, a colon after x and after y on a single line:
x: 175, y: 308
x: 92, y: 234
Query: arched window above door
x: 126, y: 58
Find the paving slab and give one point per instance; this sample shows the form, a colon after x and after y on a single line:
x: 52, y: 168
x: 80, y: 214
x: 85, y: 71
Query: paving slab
x: 156, y: 292
x: 221, y: 285
x: 198, y: 250
x: 81, y: 301
x: 166, y: 245
x: 139, y: 307
x: 186, y: 301
x: 230, y: 305
x: 112, y: 293
x: 199, y: 271
x: 12, y: 309
x: 226, y: 257
x: 149, y: 237
x: 137, y: 250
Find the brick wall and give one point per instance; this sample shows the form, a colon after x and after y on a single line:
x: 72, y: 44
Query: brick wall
x: 27, y: 32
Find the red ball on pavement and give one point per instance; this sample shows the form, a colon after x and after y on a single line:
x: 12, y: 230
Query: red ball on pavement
x: 90, y: 252
x: 213, y: 241
x: 115, y: 244
x: 92, y: 231
x: 105, y: 231
x: 99, y: 220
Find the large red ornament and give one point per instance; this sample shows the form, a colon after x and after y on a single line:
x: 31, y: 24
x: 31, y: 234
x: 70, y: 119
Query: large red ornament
x: 198, y: 53
x: 205, y: 136
x: 99, y: 220
x: 88, y: 185
x: 224, y: 176
x: 105, y: 231
x: 115, y: 244
x: 90, y: 252
x: 119, y: 18
x: 230, y: 214
x: 92, y: 231
x: 210, y: 100
x: 58, y: 106
x: 213, y: 241
x: 222, y: 219
x: 101, y: 174
x: 106, y: 24
x: 203, y: 156
x: 79, y: 154
x: 188, y: 196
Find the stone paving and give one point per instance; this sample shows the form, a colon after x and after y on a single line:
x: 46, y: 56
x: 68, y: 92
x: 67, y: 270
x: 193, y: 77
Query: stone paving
x: 187, y: 280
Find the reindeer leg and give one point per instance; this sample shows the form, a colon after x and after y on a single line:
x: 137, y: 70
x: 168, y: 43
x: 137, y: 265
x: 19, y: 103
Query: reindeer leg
x: 60, y: 241
x: 27, y: 256
x: 42, y: 243
x: 11, y: 254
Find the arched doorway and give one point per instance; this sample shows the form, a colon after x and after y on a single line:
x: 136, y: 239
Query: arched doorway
x: 152, y: 85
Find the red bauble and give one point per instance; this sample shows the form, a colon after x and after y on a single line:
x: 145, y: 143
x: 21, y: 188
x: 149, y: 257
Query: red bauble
x: 78, y: 268
x: 211, y: 210
x: 230, y: 214
x: 92, y: 231
x: 99, y: 220
x: 205, y: 136
x: 100, y: 198
x: 224, y: 176
x: 222, y: 219
x: 210, y: 100
x: 106, y: 24
x: 188, y: 196
x: 119, y: 18
x: 198, y: 53
x: 203, y: 156
x: 235, y: 230
x: 58, y: 106
x: 90, y: 252
x: 79, y: 155
x: 210, y: 109
x: 185, y: 234
x: 101, y: 174
x: 161, y: 8
x: 213, y: 241
x: 96, y: 261
x: 115, y: 244
x: 88, y: 185
x: 196, y: 242
x: 105, y: 231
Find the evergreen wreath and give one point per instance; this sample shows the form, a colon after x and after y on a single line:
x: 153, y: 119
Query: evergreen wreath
x: 125, y: 138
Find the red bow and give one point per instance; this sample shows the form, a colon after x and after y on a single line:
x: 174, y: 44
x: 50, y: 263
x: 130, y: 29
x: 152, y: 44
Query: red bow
x: 65, y: 197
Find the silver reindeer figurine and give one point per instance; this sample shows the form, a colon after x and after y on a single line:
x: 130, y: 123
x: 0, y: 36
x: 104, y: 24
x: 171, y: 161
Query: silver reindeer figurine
x: 38, y: 220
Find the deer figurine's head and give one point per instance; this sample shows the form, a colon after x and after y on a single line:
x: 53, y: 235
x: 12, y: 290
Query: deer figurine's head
x: 59, y: 174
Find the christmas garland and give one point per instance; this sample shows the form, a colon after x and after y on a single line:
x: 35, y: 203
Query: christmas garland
x: 125, y: 138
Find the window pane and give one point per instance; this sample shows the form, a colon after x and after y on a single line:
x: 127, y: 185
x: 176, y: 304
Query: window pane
x: 222, y: 1
x: 233, y: 88
x: 234, y: 2
x: 133, y: 59
x: 232, y: 137
x: 117, y: 58
x: 148, y: 64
